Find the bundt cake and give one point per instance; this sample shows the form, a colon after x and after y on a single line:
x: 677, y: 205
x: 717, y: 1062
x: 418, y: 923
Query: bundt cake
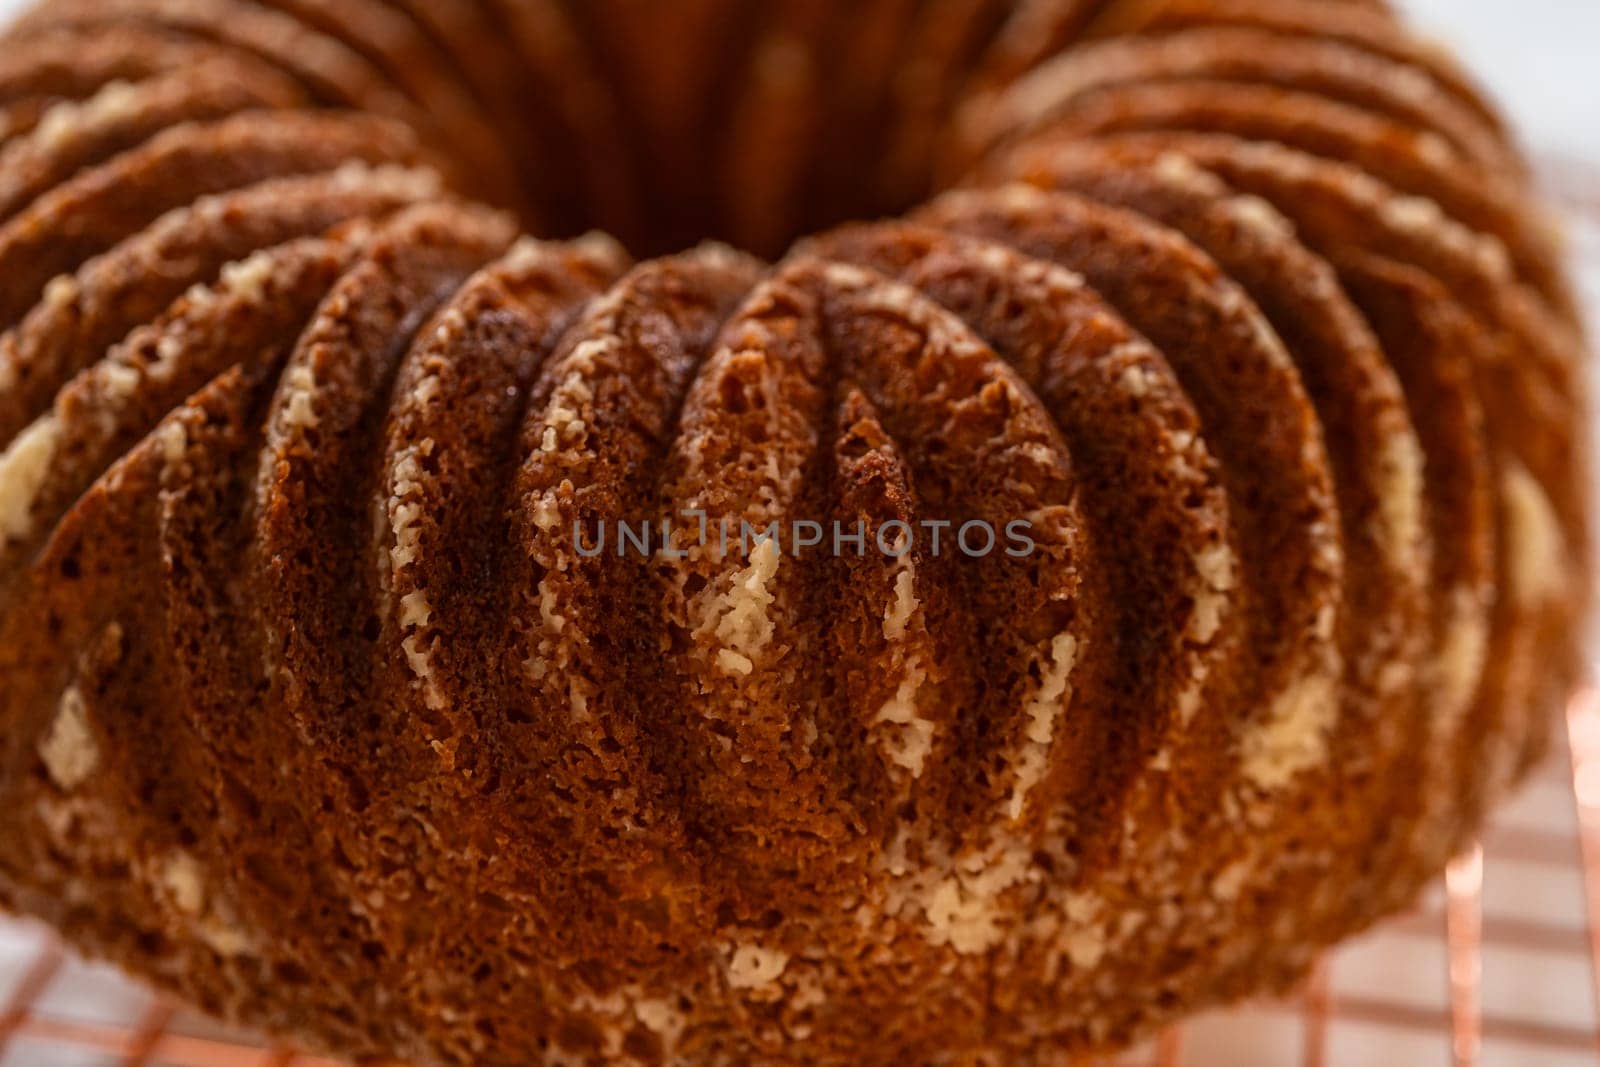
x: 977, y: 637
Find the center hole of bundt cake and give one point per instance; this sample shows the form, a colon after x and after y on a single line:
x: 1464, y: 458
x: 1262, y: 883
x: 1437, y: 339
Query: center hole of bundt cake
x: 759, y: 205
x: 756, y: 176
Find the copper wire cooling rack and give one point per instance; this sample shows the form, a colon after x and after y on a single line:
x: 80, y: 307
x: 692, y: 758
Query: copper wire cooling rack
x: 1498, y: 966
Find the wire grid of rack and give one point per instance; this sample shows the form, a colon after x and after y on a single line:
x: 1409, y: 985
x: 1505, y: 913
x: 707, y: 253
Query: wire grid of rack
x: 1498, y: 966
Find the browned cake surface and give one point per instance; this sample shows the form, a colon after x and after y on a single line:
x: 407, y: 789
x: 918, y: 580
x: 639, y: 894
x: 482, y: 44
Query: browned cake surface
x: 389, y: 655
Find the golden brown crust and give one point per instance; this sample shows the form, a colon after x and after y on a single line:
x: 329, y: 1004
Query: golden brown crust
x: 1281, y: 694
x: 1176, y: 532
x: 1429, y: 341
x: 1523, y: 370
x: 1150, y: 484
x: 1406, y: 93
x: 135, y: 280
x: 1410, y: 161
x: 73, y: 136
x: 1375, y: 457
x: 75, y: 62
x: 1369, y: 27
x: 1033, y: 32
x: 1174, y: 295
x: 333, y: 73
x: 103, y: 206
x: 249, y: 317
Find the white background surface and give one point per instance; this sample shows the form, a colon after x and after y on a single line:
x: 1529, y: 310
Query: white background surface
x: 1540, y: 57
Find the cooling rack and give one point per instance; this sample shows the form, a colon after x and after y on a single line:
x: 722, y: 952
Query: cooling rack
x: 1498, y: 966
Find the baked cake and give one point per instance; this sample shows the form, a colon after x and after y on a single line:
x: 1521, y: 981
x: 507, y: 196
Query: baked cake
x: 1223, y: 342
